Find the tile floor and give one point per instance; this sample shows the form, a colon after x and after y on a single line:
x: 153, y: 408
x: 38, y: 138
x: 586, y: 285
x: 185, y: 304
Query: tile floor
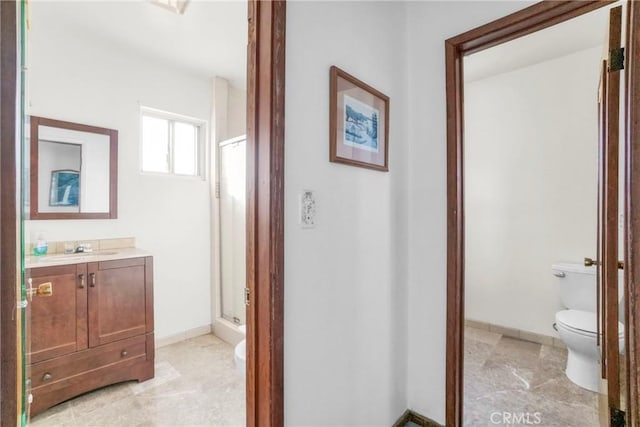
x: 196, y: 384
x: 516, y: 378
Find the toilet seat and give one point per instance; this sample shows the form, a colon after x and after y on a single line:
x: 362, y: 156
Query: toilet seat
x: 581, y: 322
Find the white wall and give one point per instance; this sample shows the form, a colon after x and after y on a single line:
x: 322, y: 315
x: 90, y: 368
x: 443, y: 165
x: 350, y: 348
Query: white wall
x: 237, y: 112
x: 72, y: 77
x: 430, y: 24
x: 229, y: 111
x: 531, y: 162
x: 345, y: 280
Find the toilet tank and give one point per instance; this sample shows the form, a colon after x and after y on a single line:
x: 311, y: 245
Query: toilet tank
x: 577, y: 285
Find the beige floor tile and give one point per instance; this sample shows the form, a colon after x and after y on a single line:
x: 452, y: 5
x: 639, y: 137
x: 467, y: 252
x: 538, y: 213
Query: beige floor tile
x: 196, y: 384
x: 524, y: 378
x: 60, y: 415
x: 538, y: 338
x: 482, y: 335
x: 91, y: 401
x: 164, y: 373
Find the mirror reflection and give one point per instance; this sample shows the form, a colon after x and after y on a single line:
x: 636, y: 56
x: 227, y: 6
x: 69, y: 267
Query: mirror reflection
x: 72, y: 170
x: 63, y: 183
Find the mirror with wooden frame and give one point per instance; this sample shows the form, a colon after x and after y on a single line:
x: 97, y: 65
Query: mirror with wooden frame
x: 74, y: 170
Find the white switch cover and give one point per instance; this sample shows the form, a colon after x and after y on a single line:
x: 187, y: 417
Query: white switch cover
x: 307, y: 209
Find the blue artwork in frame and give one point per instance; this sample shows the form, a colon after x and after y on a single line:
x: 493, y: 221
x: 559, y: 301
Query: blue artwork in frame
x: 358, y: 123
x: 65, y: 186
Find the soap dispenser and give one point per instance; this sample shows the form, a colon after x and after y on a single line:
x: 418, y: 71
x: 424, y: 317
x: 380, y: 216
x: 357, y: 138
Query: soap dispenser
x: 41, y: 246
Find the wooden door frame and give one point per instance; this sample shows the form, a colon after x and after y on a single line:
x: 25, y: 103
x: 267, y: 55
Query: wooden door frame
x: 9, y: 147
x: 632, y: 210
x: 527, y: 21
x: 265, y: 212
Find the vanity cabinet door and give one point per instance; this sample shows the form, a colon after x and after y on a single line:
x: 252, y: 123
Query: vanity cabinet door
x: 58, y: 320
x: 120, y: 299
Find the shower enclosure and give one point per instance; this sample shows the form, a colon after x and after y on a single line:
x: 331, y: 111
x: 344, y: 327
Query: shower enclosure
x: 232, y: 202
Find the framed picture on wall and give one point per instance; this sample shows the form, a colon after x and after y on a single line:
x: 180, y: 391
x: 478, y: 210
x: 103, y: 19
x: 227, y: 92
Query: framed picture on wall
x: 65, y: 185
x: 358, y: 123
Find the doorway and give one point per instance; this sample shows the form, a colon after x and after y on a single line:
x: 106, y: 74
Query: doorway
x: 264, y: 260
x: 531, y: 187
x: 534, y: 18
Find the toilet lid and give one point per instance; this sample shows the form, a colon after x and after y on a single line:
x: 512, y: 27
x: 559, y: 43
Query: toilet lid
x: 582, y: 321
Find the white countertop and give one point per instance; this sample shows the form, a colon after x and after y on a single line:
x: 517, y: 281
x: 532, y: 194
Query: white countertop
x: 33, y: 261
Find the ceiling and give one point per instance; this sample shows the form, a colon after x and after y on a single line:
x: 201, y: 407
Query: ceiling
x: 209, y: 39
x: 583, y: 32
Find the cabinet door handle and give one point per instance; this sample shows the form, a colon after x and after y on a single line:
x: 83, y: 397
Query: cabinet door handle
x: 81, y: 277
x: 124, y: 353
x: 92, y: 276
x: 43, y: 289
x: 47, y: 377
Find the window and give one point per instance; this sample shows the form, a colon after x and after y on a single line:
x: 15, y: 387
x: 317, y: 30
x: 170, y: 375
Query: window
x: 172, y: 144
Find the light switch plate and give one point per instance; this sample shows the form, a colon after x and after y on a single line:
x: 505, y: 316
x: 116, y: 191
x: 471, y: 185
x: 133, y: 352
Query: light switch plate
x: 307, y: 209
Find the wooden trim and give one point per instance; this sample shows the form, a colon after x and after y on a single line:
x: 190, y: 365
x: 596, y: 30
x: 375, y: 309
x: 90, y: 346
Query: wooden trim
x: 600, y: 290
x: 251, y: 216
x: 33, y: 161
x: 632, y: 212
x: 9, y: 407
x: 421, y: 420
x: 148, y: 297
x: 523, y: 22
x: 415, y: 418
x: 455, y: 242
x: 609, y: 262
x: 526, y: 21
x: 334, y: 74
x: 113, y: 174
x: 265, y: 213
x: 43, y: 121
x: 403, y: 420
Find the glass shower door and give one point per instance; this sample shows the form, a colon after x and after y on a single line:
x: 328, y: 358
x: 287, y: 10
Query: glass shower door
x: 24, y: 382
x: 233, y: 229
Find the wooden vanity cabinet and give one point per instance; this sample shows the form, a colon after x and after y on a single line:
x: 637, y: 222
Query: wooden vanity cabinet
x: 95, y: 329
x: 118, y: 295
x: 58, y: 323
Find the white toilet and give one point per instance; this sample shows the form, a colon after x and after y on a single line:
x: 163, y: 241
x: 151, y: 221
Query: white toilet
x: 240, y: 353
x: 577, y: 324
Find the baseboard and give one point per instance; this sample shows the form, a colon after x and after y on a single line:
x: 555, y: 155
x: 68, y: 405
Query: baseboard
x: 413, y: 417
x: 227, y: 331
x: 517, y: 333
x: 181, y: 336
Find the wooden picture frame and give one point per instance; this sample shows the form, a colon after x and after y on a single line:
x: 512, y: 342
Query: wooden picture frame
x: 358, y: 123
